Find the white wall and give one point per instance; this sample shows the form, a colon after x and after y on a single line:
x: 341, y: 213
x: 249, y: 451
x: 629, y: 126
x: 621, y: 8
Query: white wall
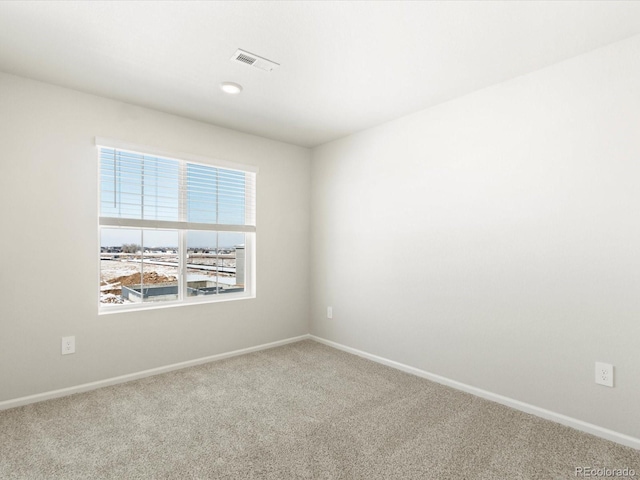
x: 49, y: 243
x: 495, y: 239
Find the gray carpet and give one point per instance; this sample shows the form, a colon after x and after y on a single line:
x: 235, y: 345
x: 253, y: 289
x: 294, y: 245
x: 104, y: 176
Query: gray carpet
x: 299, y: 411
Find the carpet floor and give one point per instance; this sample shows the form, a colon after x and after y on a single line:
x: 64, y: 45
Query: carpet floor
x: 303, y: 410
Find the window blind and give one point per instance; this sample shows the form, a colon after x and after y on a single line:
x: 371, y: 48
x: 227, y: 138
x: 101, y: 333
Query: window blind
x: 142, y: 190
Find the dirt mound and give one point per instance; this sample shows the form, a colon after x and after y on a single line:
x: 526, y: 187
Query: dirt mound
x: 147, y: 279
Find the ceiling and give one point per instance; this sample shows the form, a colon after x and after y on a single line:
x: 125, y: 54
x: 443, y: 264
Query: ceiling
x: 344, y: 66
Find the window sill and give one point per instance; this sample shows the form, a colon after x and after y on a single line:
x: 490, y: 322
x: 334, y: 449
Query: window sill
x: 137, y: 307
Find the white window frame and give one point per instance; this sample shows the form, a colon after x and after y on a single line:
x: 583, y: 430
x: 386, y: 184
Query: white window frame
x: 181, y: 227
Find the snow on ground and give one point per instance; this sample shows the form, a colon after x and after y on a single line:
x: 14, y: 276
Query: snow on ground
x: 111, y: 298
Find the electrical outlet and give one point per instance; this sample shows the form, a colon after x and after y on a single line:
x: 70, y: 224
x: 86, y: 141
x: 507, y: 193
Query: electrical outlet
x: 68, y: 345
x: 604, y: 374
x: 329, y: 312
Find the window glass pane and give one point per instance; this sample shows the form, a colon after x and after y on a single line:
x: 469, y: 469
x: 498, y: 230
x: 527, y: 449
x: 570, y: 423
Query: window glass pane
x: 120, y: 261
x: 215, y: 264
x: 231, y: 209
x: 202, y: 263
x: 215, y: 195
x: 139, y: 186
x: 202, y: 194
x: 160, y: 267
x: 161, y: 189
x: 138, y: 265
x: 231, y: 272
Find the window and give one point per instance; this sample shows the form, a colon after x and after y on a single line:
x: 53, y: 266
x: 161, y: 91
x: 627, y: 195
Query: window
x: 173, y: 231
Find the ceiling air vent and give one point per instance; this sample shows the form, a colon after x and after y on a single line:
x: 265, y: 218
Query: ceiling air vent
x: 253, y: 60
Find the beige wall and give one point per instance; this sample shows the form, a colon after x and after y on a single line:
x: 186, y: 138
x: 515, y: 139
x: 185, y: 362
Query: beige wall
x: 49, y: 243
x: 495, y: 239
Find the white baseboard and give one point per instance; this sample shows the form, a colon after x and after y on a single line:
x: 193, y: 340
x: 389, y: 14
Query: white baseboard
x: 509, y: 402
x: 63, y: 392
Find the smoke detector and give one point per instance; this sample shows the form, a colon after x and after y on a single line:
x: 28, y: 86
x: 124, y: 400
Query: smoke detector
x: 253, y: 60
